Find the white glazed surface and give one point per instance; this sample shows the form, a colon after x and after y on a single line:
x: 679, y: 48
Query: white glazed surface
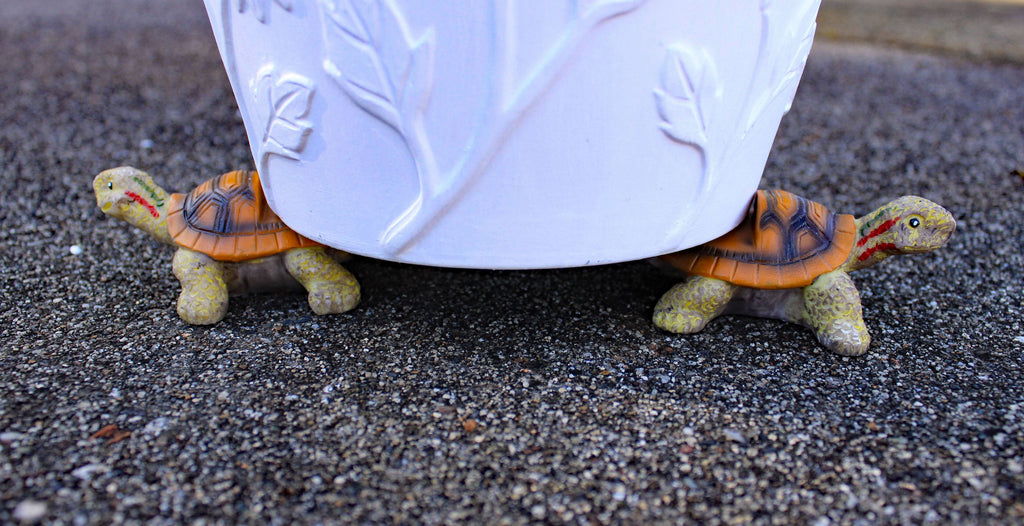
x: 512, y: 133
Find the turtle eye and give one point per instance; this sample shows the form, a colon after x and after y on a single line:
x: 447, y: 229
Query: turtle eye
x: 914, y: 223
x: 110, y: 185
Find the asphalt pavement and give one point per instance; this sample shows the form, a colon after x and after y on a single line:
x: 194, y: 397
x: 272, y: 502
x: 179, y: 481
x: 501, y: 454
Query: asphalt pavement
x: 453, y: 396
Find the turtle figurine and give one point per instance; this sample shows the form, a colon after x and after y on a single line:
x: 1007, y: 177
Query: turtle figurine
x: 229, y: 242
x: 790, y: 259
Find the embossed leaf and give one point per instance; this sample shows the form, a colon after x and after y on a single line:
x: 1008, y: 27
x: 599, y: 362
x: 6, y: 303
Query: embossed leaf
x: 372, y: 57
x: 286, y: 102
x: 688, y: 85
x: 287, y: 138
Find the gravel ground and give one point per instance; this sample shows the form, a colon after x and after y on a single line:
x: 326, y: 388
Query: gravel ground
x: 497, y: 397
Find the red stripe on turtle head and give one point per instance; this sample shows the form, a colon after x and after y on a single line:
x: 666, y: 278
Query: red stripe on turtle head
x: 871, y: 251
x: 142, y: 201
x: 883, y: 228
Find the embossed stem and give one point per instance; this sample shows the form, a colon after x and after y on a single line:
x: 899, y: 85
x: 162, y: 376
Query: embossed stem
x: 428, y: 211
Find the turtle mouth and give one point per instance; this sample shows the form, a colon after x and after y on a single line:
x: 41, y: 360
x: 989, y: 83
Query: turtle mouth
x: 114, y: 206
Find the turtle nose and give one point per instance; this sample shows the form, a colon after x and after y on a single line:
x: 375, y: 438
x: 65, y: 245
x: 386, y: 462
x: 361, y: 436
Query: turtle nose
x: 947, y: 230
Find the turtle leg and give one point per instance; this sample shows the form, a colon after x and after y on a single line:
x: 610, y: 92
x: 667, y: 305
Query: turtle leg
x: 833, y: 311
x: 687, y: 307
x: 332, y: 289
x: 204, y: 291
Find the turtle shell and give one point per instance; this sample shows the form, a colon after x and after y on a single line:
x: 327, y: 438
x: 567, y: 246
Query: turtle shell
x: 227, y: 218
x: 785, y: 241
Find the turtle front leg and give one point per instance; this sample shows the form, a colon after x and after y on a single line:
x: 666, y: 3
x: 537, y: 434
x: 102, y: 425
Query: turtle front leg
x: 204, y: 291
x: 834, y: 312
x: 687, y: 307
x: 332, y: 289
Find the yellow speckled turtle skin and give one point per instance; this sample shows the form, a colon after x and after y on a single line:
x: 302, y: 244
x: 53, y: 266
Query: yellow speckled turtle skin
x: 687, y: 307
x: 204, y: 292
x: 833, y: 311
x: 331, y: 287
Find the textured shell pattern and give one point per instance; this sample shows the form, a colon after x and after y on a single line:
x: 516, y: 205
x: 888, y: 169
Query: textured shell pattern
x: 227, y: 218
x: 785, y: 241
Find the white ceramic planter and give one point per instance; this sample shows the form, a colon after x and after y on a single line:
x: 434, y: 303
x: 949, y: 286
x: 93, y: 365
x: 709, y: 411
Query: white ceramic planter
x: 512, y: 133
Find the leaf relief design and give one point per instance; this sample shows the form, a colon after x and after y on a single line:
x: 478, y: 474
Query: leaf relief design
x: 685, y: 99
x: 377, y: 62
x: 283, y: 103
x: 688, y: 92
x: 689, y: 87
x: 383, y: 69
x: 372, y: 55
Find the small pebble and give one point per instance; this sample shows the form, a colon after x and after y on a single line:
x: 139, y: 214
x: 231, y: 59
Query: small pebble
x: 29, y: 511
x: 156, y: 426
x: 75, y: 250
x: 735, y: 436
x: 85, y: 472
x: 11, y: 436
x: 145, y: 144
x: 821, y: 521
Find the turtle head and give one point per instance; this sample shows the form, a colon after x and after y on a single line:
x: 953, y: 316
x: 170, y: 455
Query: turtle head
x: 131, y: 196
x: 922, y: 226
x: 908, y: 225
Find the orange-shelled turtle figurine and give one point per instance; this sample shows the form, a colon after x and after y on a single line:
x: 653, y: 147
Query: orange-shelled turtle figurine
x: 229, y: 242
x: 789, y: 259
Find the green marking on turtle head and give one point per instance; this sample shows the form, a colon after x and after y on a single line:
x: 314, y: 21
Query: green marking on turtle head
x: 157, y: 200
x: 868, y: 223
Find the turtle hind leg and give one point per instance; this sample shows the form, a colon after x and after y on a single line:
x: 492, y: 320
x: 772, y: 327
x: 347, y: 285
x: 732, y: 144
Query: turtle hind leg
x: 204, y: 291
x: 332, y: 289
x: 687, y: 307
x: 833, y: 311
